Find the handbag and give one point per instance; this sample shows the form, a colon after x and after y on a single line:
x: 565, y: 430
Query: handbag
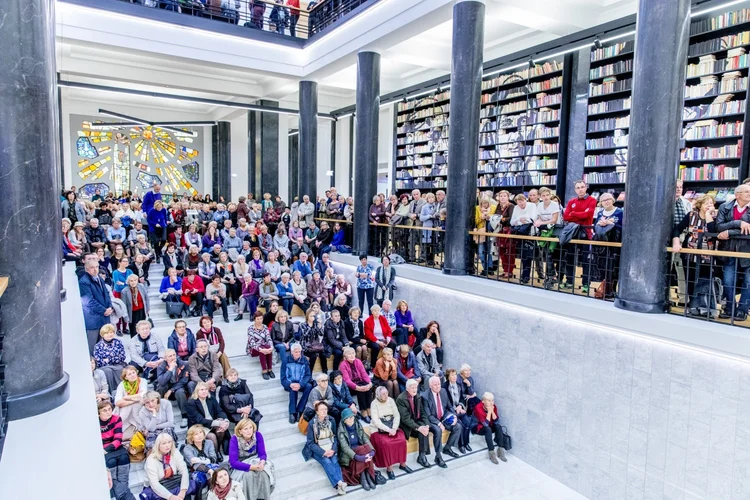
x: 507, y: 441
x: 388, y: 422
x: 315, y: 347
x: 172, y: 482
x: 302, y: 426
x: 175, y: 308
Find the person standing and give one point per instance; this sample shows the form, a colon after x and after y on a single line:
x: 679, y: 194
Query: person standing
x: 734, y: 217
x: 579, y: 210
x: 149, y: 199
x: 293, y: 19
x: 682, y: 207
x: 96, y: 302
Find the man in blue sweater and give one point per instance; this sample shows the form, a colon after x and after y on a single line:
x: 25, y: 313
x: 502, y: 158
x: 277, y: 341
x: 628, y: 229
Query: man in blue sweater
x: 150, y: 198
x: 296, y: 381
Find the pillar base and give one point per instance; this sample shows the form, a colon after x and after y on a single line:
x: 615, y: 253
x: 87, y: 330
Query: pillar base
x: 38, y: 402
x: 63, y: 294
x: 640, y: 307
x: 455, y: 272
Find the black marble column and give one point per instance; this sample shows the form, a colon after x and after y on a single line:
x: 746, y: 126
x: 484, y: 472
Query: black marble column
x: 366, y: 145
x: 661, y: 44
x: 263, y: 151
x: 578, y: 64
x: 308, y: 140
x: 221, y: 168
x: 463, y: 142
x: 30, y: 253
x: 293, y: 165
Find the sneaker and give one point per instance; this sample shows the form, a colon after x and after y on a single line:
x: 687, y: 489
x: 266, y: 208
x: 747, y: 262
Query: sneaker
x: 565, y: 286
x: 585, y: 289
x: 341, y: 488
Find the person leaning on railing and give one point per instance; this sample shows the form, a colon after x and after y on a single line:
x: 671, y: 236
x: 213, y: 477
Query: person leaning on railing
x: 607, y: 227
x: 579, y: 210
x: 522, y: 223
x: 482, y: 214
x: 734, y: 217
x: 506, y: 247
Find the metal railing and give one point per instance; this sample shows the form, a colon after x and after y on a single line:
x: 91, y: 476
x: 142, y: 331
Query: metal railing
x: 419, y: 245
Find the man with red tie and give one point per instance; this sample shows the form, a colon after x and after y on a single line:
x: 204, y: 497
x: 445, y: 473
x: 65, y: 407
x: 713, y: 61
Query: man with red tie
x: 442, y: 416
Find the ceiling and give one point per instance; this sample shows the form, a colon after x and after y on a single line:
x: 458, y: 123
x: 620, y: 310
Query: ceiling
x: 416, y: 50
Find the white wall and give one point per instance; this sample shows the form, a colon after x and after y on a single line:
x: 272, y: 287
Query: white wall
x: 239, y: 155
x: 284, y: 158
x: 324, y: 155
x: 342, y: 155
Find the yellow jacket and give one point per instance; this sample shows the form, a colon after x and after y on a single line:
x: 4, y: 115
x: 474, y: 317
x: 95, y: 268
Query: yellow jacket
x: 480, y: 223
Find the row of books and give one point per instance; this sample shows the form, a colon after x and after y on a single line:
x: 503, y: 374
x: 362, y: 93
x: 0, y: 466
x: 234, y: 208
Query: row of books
x: 425, y: 101
x: 524, y: 74
x: 415, y: 161
x: 426, y: 125
x: 606, y: 106
x: 615, y: 141
x: 710, y: 65
x: 421, y: 184
x: 709, y: 172
x: 522, y: 134
x: 519, y: 179
x: 436, y: 147
x: 609, y: 123
x: 498, y: 166
x: 712, y: 88
x: 514, y: 152
x: 721, y: 195
x: 609, y: 86
x: 523, y: 90
x: 612, y: 50
x: 605, y: 177
x: 421, y: 136
x: 421, y: 172
x: 712, y: 153
x: 712, y: 129
x: 424, y: 113
x: 611, y: 69
x: 619, y: 157
x: 721, y: 21
x: 721, y: 43
x: 713, y: 110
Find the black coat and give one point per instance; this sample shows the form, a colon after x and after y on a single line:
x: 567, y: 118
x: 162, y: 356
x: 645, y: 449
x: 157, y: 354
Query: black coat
x: 461, y: 393
x: 168, y: 381
x: 196, y: 415
x: 350, y: 330
x: 431, y: 409
x: 335, y: 335
x: 281, y: 334
x: 232, y: 399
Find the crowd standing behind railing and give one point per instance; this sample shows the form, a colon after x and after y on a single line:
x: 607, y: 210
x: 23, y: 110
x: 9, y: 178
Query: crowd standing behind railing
x: 387, y: 383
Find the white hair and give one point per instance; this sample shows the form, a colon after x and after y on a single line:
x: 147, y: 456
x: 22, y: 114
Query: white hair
x: 411, y: 382
x: 426, y: 342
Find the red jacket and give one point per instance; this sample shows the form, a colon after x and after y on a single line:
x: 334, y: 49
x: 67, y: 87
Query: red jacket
x: 370, y: 329
x: 293, y: 3
x: 581, y: 211
x: 172, y: 238
x: 196, y: 285
x: 481, y: 415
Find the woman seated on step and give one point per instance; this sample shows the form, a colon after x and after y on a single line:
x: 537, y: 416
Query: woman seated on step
x: 488, y: 425
x: 236, y: 399
x: 173, y: 382
x: 155, y: 417
x: 358, y: 381
x: 167, y: 474
x: 321, y: 392
x: 109, y: 354
x: 322, y: 445
x: 389, y: 441
x: 355, y: 453
x: 200, y: 456
x: 116, y: 455
x: 129, y: 400
x: 204, y: 410
x: 248, y: 458
x: 222, y: 487
x: 171, y: 288
x: 215, y: 339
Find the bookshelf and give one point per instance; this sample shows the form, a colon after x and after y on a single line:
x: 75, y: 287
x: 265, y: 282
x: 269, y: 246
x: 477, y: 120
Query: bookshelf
x: 422, y: 143
x: 713, y: 157
x: 608, y: 124
x: 519, y: 139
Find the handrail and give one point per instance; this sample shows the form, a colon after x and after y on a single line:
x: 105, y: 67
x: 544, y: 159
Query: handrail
x: 713, y: 253
x: 543, y: 238
x: 414, y: 228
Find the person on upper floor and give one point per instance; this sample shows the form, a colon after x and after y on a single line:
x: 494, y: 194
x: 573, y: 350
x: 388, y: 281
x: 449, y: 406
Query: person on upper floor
x: 182, y: 340
x: 173, y: 382
x: 428, y: 363
x: 322, y: 445
x: 734, y: 218
x: 522, y: 223
x: 237, y: 400
x: 376, y: 213
x: 295, y: 379
x: 580, y: 210
x: 487, y: 420
x: 146, y: 350
x: 323, y: 240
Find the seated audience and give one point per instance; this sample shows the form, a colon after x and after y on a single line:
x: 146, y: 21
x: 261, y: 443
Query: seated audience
x: 321, y: 392
x: 335, y: 338
x: 431, y: 332
x: 173, y: 382
x: 470, y: 394
x: 146, y: 350
x: 385, y: 373
x: 428, y: 363
x: 270, y: 316
x: 310, y: 336
x: 408, y: 368
x: 248, y: 296
x: 155, y: 417
x: 296, y: 381
x: 299, y: 288
x: 215, y: 339
x: 355, y: 453
x: 109, y: 354
x: 316, y: 290
x: 285, y: 290
x: 339, y: 304
x: 206, y: 268
x: 322, y: 445
x: 200, y: 456
x: 167, y: 474
x: 101, y: 387
x: 129, y: 400
x: 414, y: 420
x: 182, y: 340
x: 377, y: 332
x: 204, y: 366
x: 268, y: 292
x: 193, y: 292
x: 358, y: 381
x: 487, y: 420
x: 404, y: 323
x: 236, y: 399
x: 260, y: 345
x: 136, y: 300
x: 442, y: 417
x: 342, y: 398
x: 116, y: 455
x: 282, y: 335
x: 95, y: 301
x: 204, y: 410
x: 455, y: 391
x: 171, y: 288
x: 343, y: 288
x: 221, y: 486
x: 355, y: 331
x: 386, y: 436
x: 193, y: 259
x: 216, y: 298
x: 248, y: 458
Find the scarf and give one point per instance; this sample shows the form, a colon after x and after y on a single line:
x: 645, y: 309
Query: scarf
x: 134, y: 293
x: 321, y: 426
x: 168, y: 472
x: 232, y: 386
x: 211, y: 336
x: 247, y: 448
x: 222, y: 493
x: 144, y: 343
x: 131, y: 388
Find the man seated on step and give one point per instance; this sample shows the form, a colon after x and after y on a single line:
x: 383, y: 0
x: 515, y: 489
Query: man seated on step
x: 296, y: 379
x: 173, y: 382
x: 442, y: 416
x: 204, y: 366
x: 414, y: 420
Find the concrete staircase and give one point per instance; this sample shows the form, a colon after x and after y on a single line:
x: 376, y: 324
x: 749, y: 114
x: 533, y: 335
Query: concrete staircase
x: 295, y: 478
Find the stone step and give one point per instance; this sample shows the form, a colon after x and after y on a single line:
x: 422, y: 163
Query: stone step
x: 285, y: 445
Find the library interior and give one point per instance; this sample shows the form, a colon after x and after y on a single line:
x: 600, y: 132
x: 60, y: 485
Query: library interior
x: 303, y: 186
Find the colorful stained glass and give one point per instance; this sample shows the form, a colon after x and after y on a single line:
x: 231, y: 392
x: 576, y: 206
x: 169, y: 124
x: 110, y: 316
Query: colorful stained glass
x: 87, y: 191
x: 192, y: 171
x: 121, y: 172
x: 85, y: 148
x: 141, y: 166
x: 95, y: 168
x: 147, y: 181
x: 178, y: 181
x: 187, y: 154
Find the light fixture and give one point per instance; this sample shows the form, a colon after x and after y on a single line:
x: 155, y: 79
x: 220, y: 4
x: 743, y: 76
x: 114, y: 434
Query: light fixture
x: 503, y: 69
x: 139, y: 121
x: 617, y: 37
x: 597, y: 43
x: 717, y: 7
x: 296, y: 132
x: 563, y: 52
x: 344, y: 116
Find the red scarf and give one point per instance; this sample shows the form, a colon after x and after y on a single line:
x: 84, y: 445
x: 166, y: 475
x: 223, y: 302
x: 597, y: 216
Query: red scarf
x: 223, y: 492
x: 168, y: 472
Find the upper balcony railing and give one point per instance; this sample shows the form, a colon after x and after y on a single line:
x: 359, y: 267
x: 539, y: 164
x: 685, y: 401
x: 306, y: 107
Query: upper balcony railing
x: 310, y: 19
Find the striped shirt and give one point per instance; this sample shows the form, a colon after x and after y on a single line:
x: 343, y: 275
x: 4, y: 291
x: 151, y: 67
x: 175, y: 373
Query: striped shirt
x: 111, y: 433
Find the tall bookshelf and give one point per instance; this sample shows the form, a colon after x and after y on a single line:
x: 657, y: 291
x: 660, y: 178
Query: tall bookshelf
x: 713, y: 158
x: 422, y: 143
x: 519, y: 138
x: 608, y: 125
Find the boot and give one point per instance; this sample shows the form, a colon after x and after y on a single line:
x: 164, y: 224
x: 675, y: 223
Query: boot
x: 501, y: 454
x: 238, y: 318
x: 493, y: 457
x: 364, y: 482
x: 373, y: 482
x: 123, y: 474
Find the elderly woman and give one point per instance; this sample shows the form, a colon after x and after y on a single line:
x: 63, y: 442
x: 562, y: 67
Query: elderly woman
x: 215, y: 339
x: 377, y: 211
x: 322, y: 445
x: 236, y: 399
x: 488, y: 425
x: 167, y: 474
x: 299, y: 289
x: 282, y: 335
x: 470, y: 393
x: 521, y: 223
x: 285, y: 290
x: 378, y: 332
x: 343, y: 288
x: 204, y: 410
x: 295, y: 379
x: 155, y: 417
x: 260, y: 345
x: 281, y: 243
x: 200, y: 455
x: 116, y: 456
x: 248, y: 296
x: 357, y: 379
x: 389, y: 441
x: 109, y: 354
x: 365, y: 282
x: 173, y: 379
x: 405, y: 327
x: 429, y: 215
x: 408, y: 368
x: 310, y: 336
x: 101, y: 387
x: 355, y: 453
x: 136, y: 300
x: 129, y: 400
x: 321, y: 392
x: 506, y: 247
x: 385, y: 279
x: 385, y: 373
x: 248, y: 458
x: 170, y: 289
x: 432, y: 332
x: 355, y: 330
x: 455, y: 390
x: 221, y: 486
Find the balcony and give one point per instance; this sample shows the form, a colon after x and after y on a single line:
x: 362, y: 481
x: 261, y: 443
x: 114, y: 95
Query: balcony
x: 270, y: 21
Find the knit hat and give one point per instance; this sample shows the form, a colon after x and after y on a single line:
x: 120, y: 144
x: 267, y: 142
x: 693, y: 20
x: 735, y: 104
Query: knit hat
x: 347, y: 413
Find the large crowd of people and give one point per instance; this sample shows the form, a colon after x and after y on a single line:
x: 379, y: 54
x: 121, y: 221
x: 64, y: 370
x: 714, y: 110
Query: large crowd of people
x: 362, y: 377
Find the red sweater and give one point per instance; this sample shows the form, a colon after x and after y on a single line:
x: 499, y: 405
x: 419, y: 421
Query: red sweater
x: 581, y: 211
x: 196, y: 285
x: 370, y: 329
x: 111, y: 433
x: 293, y: 3
x: 481, y: 415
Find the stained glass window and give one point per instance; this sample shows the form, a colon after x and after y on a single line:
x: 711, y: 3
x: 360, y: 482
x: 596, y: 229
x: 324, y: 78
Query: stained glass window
x: 147, y: 181
x: 87, y: 191
x: 192, y: 171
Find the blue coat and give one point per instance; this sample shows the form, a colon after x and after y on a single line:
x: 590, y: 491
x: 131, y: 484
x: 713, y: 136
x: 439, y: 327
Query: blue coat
x: 95, y: 300
x: 148, y: 201
x: 311, y: 448
x: 157, y: 217
x: 173, y: 342
x: 411, y: 362
x: 297, y: 371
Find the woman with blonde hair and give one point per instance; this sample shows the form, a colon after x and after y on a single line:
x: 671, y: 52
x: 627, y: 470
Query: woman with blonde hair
x: 129, y: 400
x: 167, y: 474
x: 200, y: 455
x: 482, y: 214
x: 248, y: 458
x: 205, y: 411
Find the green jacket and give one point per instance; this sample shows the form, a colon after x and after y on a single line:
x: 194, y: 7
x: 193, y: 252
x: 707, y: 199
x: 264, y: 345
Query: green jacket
x: 346, y: 453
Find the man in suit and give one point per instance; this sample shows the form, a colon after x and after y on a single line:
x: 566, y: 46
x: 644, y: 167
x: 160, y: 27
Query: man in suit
x: 414, y: 419
x: 442, y: 415
x: 96, y: 302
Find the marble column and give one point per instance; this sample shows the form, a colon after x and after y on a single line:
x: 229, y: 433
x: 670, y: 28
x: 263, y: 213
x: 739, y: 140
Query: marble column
x: 577, y: 65
x: 463, y: 142
x: 263, y: 151
x: 221, y: 152
x: 661, y: 44
x: 30, y: 211
x: 308, y: 140
x: 366, y: 145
